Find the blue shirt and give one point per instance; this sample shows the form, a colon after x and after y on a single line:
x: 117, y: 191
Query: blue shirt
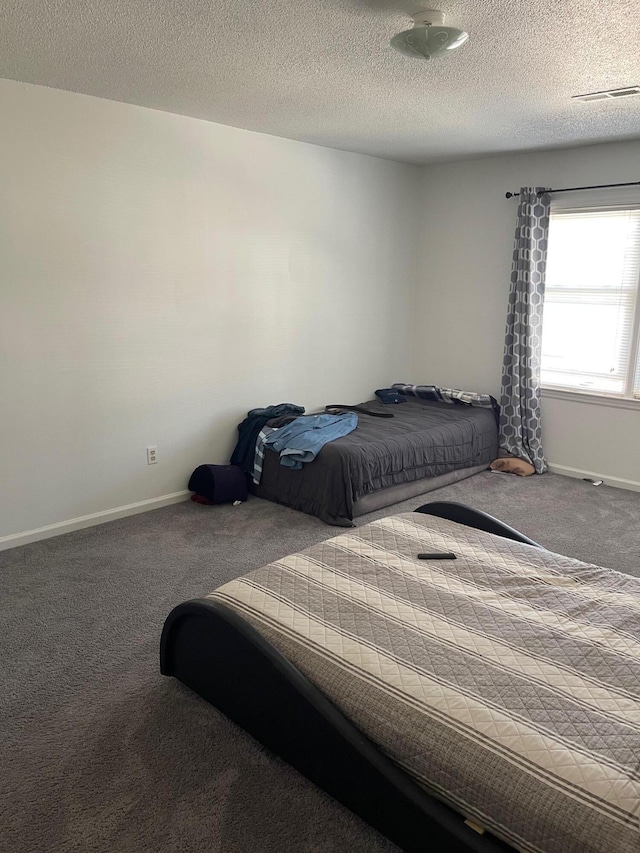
x: 301, y: 440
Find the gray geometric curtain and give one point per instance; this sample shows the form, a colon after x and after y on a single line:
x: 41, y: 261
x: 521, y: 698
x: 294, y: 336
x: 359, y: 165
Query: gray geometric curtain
x: 520, y: 421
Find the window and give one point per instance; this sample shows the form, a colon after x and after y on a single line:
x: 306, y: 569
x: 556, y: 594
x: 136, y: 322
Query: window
x: 591, y: 321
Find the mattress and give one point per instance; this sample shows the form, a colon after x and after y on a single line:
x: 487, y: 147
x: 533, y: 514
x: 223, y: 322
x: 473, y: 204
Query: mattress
x: 505, y: 682
x: 422, y: 440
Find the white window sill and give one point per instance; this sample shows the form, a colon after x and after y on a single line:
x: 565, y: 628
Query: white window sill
x: 587, y: 397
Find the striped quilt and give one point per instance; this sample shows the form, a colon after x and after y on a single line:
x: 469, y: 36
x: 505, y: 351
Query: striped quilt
x: 505, y: 682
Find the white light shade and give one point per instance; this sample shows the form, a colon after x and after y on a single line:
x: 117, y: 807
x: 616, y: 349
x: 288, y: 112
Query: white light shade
x: 429, y: 38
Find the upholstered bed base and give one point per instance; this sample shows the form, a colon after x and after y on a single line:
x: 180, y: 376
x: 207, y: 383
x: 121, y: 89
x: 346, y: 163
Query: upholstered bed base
x: 216, y: 653
x: 407, y: 491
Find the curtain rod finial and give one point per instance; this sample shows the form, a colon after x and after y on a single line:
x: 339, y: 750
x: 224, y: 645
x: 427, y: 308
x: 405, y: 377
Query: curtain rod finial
x: 510, y: 195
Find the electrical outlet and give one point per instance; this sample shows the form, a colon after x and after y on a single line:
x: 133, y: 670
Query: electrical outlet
x: 152, y: 455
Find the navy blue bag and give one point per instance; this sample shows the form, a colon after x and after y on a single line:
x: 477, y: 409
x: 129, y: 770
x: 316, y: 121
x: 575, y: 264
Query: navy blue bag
x: 219, y: 483
x: 390, y: 395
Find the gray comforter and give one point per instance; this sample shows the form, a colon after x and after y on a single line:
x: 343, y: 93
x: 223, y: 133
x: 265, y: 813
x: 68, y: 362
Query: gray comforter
x: 422, y: 440
x: 506, y: 682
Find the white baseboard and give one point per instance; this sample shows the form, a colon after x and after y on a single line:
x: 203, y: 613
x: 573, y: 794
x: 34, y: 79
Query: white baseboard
x: 617, y: 482
x: 16, y: 539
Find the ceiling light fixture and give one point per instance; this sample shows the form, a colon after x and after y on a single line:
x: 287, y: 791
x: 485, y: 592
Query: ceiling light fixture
x: 429, y: 37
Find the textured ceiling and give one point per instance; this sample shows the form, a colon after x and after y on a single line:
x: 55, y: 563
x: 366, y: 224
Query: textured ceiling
x: 324, y: 72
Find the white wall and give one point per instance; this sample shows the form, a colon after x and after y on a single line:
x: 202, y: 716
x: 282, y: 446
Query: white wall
x: 466, y: 239
x: 161, y: 275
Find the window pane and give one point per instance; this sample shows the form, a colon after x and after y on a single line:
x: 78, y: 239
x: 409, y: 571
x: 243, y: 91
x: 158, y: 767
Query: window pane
x: 582, y: 382
x: 584, y: 338
x: 581, y: 345
x: 592, y: 276
x: 591, y: 249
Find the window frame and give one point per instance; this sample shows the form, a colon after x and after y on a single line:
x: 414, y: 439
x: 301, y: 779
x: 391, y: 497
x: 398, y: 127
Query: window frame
x: 626, y: 400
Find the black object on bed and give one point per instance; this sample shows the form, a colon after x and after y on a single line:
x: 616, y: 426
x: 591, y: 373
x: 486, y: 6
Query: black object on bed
x: 216, y: 653
x: 424, y: 446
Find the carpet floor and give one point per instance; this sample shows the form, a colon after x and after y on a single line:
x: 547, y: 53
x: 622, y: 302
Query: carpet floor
x: 101, y: 753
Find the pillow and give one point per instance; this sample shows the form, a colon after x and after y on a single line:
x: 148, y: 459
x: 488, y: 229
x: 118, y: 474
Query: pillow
x: 510, y: 465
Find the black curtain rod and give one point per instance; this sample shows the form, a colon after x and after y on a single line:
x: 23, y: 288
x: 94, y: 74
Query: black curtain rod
x: 575, y: 189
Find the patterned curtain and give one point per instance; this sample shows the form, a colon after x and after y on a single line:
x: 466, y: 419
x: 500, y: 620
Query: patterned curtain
x: 520, y: 421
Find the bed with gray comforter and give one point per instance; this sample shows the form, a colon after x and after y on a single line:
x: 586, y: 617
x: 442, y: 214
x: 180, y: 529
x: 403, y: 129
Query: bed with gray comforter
x: 384, y: 460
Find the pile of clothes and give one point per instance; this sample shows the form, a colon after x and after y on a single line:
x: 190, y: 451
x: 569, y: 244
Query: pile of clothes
x: 287, y: 430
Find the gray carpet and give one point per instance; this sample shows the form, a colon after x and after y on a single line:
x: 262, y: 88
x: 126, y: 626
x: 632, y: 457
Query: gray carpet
x: 101, y: 753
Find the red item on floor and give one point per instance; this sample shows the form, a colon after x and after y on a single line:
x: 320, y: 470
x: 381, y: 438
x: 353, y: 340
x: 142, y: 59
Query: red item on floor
x: 199, y: 499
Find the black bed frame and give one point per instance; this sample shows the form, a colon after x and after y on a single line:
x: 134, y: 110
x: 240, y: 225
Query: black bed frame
x: 220, y: 656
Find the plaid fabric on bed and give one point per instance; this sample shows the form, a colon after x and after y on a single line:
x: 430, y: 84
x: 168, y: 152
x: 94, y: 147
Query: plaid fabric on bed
x: 258, y: 458
x: 505, y: 682
x: 470, y: 397
x: 423, y: 392
x: 446, y: 395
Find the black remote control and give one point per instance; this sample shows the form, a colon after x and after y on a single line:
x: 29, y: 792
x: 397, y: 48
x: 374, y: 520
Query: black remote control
x: 447, y: 555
